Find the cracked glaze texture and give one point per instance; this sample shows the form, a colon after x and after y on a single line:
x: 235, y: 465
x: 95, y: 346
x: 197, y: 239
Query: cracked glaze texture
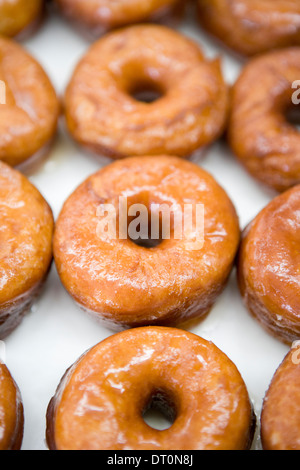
x: 102, y: 115
x: 128, y: 285
x: 269, y: 266
x: 26, y: 227
x: 100, y: 401
x: 280, y: 419
x: 261, y: 136
x: 101, y: 16
x: 11, y: 412
x: 252, y: 26
x: 28, y: 120
x: 19, y: 15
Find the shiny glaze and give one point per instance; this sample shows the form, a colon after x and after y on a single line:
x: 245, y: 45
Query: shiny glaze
x: 19, y: 15
x: 100, y: 16
x: 28, y: 120
x: 269, y: 262
x: 259, y: 132
x: 100, y: 401
x: 102, y: 115
x: 26, y: 228
x: 128, y: 285
x: 280, y: 419
x: 11, y: 412
x: 252, y: 26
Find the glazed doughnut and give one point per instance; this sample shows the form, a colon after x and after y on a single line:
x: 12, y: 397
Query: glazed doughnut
x: 104, y: 114
x: 26, y: 227
x: 252, y: 26
x: 11, y: 412
x: 126, y: 285
x: 28, y: 118
x: 280, y: 419
x: 99, y: 404
x: 268, y: 270
x: 261, y: 136
x: 96, y: 17
x: 18, y: 16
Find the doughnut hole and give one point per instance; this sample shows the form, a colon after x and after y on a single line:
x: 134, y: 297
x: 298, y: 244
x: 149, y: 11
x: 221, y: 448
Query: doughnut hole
x: 146, y: 91
x: 144, y: 85
x: 292, y: 116
x: 160, y: 411
x: 147, y: 221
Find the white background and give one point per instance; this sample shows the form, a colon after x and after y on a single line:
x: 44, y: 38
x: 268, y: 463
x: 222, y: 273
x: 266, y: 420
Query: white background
x: 56, y: 332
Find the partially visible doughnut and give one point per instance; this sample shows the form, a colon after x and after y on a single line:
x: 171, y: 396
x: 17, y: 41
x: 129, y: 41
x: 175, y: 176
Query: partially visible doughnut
x: 18, y: 16
x: 252, y: 26
x: 11, y: 412
x: 99, y: 403
x: 26, y: 228
x: 29, y: 107
x: 280, y: 418
x: 268, y: 267
x: 96, y: 17
x: 103, y: 114
x: 260, y: 133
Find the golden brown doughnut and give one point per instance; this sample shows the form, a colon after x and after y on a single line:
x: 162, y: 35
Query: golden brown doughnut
x: 261, y: 136
x: 28, y: 120
x: 11, y: 412
x: 99, y: 16
x: 268, y: 270
x: 26, y: 227
x: 99, y: 404
x: 126, y: 285
x: 103, y: 115
x: 280, y: 419
x: 252, y: 26
x: 16, y: 16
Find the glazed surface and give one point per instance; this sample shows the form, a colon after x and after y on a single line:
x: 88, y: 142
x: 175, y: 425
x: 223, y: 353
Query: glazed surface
x: 103, y: 115
x: 280, y: 420
x: 261, y: 136
x: 18, y: 15
x: 29, y: 117
x: 104, y: 15
x: 269, y: 261
x: 252, y: 26
x: 11, y: 412
x: 100, y: 402
x: 26, y: 228
x: 129, y: 285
